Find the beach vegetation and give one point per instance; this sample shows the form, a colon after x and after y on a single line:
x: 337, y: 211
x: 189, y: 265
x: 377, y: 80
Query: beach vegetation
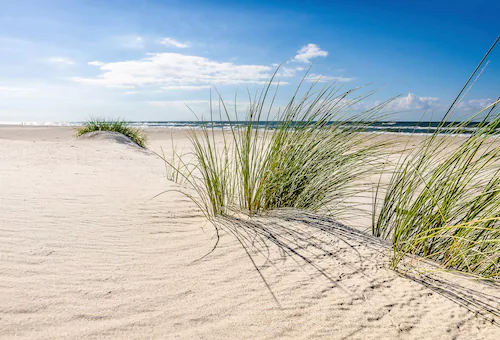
x: 443, y: 199
x: 441, y: 202
x: 115, y: 125
x: 307, y: 154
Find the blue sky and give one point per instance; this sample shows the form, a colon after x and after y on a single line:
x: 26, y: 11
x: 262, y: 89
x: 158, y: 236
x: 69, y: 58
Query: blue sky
x: 67, y: 60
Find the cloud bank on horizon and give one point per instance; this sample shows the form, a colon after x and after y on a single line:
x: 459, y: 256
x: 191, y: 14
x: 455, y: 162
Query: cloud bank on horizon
x: 70, y: 69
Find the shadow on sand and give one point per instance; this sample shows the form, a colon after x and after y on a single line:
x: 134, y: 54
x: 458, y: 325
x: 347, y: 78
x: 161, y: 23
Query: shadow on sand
x: 305, y: 237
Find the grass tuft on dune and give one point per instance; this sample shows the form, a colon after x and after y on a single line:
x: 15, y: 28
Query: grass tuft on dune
x: 308, y: 154
x: 443, y: 201
x: 100, y: 124
x: 444, y: 205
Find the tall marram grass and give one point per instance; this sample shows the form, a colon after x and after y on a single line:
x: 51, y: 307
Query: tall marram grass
x: 445, y: 205
x: 309, y: 154
x: 443, y: 200
x: 121, y: 126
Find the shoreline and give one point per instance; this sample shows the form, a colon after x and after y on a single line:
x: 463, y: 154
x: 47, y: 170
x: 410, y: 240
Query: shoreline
x: 158, y: 129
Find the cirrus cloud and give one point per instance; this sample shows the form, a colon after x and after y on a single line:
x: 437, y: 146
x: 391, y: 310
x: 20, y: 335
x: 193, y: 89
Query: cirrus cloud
x: 61, y: 61
x: 132, y: 42
x: 186, y: 87
x: 6, y: 89
x: 172, y: 42
x: 313, y: 77
x: 10, y: 92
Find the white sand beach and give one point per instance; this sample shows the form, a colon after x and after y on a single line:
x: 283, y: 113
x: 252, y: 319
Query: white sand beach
x: 86, y: 253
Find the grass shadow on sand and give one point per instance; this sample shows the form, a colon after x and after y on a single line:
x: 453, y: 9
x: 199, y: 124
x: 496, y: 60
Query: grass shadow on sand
x: 458, y: 288
x: 307, y: 239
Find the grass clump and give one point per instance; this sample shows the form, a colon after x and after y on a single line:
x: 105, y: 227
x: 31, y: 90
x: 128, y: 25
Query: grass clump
x: 309, y: 154
x: 308, y: 158
x: 443, y: 200
x: 445, y: 206
x: 100, y: 124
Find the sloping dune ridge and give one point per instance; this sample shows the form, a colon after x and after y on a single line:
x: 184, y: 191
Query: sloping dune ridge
x: 85, y: 252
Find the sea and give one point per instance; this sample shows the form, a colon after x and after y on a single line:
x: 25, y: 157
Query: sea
x: 400, y: 127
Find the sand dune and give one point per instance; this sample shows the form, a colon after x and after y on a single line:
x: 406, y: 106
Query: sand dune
x: 86, y: 253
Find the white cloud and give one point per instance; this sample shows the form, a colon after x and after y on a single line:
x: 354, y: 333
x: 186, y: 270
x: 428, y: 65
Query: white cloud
x: 186, y: 87
x: 342, y: 79
x: 95, y: 63
x: 313, y: 77
x: 5, y: 89
x: 306, y: 53
x: 61, y: 61
x: 174, y: 69
x: 167, y: 103
x: 412, y: 102
x: 133, y: 42
x: 287, y: 72
x: 16, y: 92
x: 172, y: 42
x: 475, y: 104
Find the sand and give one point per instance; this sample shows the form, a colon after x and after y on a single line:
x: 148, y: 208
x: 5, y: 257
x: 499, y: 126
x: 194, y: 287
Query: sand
x: 86, y: 253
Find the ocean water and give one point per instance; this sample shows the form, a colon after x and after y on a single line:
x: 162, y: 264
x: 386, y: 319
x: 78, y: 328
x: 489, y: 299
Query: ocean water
x: 380, y: 127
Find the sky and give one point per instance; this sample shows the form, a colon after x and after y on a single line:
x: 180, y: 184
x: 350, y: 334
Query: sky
x: 68, y: 60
